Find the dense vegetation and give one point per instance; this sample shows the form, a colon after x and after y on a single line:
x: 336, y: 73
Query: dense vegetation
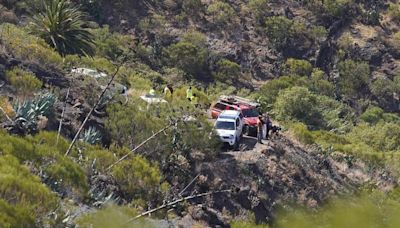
x: 343, y: 106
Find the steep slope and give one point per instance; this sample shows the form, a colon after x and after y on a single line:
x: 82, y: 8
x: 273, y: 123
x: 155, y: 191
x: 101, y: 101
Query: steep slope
x: 276, y: 175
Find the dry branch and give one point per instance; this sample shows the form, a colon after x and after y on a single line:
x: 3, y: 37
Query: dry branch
x: 5, y: 114
x: 140, y: 145
x: 62, y: 116
x: 190, y: 183
x: 170, y: 204
x: 93, y: 108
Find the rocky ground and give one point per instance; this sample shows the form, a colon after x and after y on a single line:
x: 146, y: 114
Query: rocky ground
x: 266, y: 178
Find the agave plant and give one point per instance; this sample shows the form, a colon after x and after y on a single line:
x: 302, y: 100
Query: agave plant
x: 43, y: 104
x: 61, y: 24
x: 91, y: 136
x: 28, y: 111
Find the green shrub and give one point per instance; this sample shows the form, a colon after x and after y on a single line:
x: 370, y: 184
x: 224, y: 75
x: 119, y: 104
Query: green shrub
x: 283, y: 32
x: 298, y: 104
x: 15, y: 216
x: 102, y: 158
x: 221, y: 12
x: 383, y: 137
x: 279, y: 30
x: 301, y: 132
x: 187, y: 56
x: 319, y: 85
x: 270, y: 91
x: 174, y: 76
x: 137, y: 178
x: 227, y: 71
x: 336, y: 116
x: 20, y: 187
x: 112, y: 216
x: 354, y: 77
x: 298, y: 67
x: 192, y: 7
x: 67, y: 173
x: 391, y: 118
x: 152, y: 23
x: 394, y: 11
x: 25, y: 82
x: 27, y: 47
x: 396, y: 40
x: 258, y: 8
x: 132, y: 124
x: 196, y: 38
x: 45, y: 154
x: 18, y: 147
x: 331, y: 8
x: 371, y: 209
x: 48, y: 138
x: 317, y: 112
x: 108, y: 44
x: 138, y: 83
x: 240, y: 224
x: 328, y: 139
x: 383, y: 90
x: 372, y: 115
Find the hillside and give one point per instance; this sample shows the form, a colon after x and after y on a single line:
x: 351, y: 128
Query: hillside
x: 75, y: 129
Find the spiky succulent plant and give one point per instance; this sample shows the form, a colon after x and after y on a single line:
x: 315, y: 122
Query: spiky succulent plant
x: 91, y: 136
x: 28, y: 111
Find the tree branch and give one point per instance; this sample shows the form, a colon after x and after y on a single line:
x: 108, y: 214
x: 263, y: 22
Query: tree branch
x: 140, y: 145
x: 62, y: 116
x: 190, y: 183
x: 5, y: 114
x: 93, y: 108
x: 176, y: 202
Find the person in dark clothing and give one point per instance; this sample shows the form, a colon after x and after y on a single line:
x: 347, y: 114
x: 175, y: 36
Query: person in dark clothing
x: 260, y: 123
x: 169, y: 86
x: 268, y: 122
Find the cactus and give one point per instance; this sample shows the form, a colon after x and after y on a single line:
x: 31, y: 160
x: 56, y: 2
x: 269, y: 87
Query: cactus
x: 91, y: 136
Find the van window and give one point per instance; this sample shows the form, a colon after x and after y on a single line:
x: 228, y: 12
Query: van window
x: 237, y: 122
x: 219, y: 106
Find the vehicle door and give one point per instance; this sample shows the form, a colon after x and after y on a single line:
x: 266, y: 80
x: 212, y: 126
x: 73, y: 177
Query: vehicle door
x: 239, y: 127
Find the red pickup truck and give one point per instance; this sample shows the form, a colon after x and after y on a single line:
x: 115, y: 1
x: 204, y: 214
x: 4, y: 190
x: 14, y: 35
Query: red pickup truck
x: 248, y: 108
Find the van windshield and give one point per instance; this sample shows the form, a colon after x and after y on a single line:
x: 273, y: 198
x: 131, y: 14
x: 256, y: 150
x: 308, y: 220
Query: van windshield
x: 224, y: 125
x: 250, y: 112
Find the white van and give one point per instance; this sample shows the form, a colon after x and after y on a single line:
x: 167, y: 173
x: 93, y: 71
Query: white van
x: 229, y: 127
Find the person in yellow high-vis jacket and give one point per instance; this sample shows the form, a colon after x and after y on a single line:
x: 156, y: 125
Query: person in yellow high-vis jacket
x: 152, y: 92
x: 189, y: 94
